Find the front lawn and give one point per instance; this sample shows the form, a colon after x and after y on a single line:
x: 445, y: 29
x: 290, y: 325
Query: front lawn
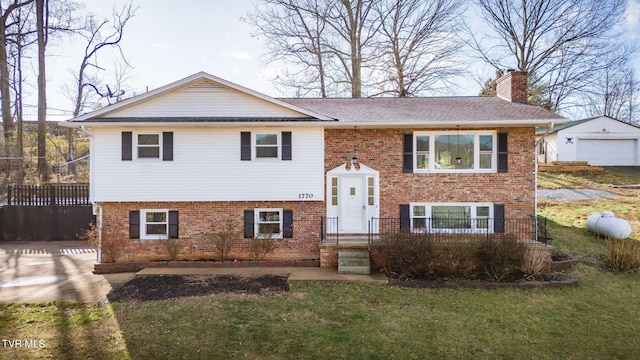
x: 598, y: 319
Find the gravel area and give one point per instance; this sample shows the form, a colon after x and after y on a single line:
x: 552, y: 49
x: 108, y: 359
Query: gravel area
x: 574, y: 194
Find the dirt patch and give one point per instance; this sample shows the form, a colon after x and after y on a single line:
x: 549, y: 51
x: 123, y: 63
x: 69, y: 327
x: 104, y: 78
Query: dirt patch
x: 160, y: 287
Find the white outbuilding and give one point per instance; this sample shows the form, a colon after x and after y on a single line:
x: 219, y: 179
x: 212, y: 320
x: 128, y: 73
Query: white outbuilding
x: 602, y: 141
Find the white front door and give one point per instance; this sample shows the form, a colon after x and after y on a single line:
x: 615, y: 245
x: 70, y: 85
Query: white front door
x: 352, y: 204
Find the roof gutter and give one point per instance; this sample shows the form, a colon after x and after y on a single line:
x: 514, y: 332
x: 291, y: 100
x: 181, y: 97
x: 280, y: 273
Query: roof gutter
x: 183, y: 124
x: 323, y: 123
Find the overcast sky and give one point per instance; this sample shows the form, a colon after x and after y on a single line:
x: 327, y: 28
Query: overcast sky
x: 168, y: 40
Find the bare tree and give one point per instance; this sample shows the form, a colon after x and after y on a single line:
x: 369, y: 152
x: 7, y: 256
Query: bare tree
x: 560, y: 43
x: 355, y: 30
x: 5, y: 92
x: 418, y: 44
x: 295, y: 30
x: 41, y: 21
x: 616, y: 95
x: 331, y: 37
x: 360, y: 47
x: 99, y: 35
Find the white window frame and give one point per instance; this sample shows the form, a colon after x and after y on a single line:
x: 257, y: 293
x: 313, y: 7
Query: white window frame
x: 136, y: 146
x: 258, y: 222
x: 143, y: 225
x: 473, y: 215
x: 476, y: 153
x: 254, y: 147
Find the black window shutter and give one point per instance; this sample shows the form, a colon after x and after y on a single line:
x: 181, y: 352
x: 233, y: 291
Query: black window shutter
x: 248, y: 224
x: 167, y: 146
x: 287, y: 224
x: 134, y: 224
x: 405, y: 217
x: 503, y: 157
x: 286, y: 145
x: 498, y: 218
x: 245, y: 146
x: 127, y: 145
x: 407, y: 153
x: 173, y: 224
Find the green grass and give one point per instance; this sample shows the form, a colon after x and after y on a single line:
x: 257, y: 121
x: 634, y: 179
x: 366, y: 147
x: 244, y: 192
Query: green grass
x: 583, y: 179
x: 598, y: 319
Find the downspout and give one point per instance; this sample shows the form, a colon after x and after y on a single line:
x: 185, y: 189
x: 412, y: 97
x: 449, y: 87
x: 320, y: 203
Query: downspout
x: 535, y: 201
x: 97, y: 209
x: 98, y: 213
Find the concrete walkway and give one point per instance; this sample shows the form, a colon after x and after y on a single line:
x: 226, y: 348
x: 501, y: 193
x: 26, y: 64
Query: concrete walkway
x: 295, y: 273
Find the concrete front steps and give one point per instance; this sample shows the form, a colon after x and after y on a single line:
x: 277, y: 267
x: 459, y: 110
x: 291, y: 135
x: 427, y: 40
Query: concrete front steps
x: 354, y: 262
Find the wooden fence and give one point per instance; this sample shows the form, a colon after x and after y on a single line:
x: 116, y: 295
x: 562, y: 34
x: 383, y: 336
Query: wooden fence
x: 47, y: 212
x: 44, y: 223
x: 48, y: 195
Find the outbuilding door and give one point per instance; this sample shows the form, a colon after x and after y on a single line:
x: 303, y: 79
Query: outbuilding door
x: 613, y: 152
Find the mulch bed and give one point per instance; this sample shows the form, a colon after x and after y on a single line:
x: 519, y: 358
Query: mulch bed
x: 550, y: 280
x: 160, y: 287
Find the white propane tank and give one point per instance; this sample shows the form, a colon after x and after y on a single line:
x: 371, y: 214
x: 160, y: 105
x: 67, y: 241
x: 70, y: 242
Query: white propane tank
x: 608, y: 225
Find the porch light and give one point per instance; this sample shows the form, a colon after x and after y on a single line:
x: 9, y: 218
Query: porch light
x: 354, y: 160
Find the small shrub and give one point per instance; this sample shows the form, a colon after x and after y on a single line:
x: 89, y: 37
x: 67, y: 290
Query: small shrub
x: 222, y: 240
x: 405, y: 254
x: 463, y: 259
x: 502, y: 257
x: 622, y: 255
x: 92, y: 235
x: 535, y: 262
x: 263, y: 244
x: 109, y: 247
x: 173, y: 247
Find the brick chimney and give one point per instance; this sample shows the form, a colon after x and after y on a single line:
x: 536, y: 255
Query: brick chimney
x: 512, y: 86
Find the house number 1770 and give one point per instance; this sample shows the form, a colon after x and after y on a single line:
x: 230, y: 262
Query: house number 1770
x: 305, y: 196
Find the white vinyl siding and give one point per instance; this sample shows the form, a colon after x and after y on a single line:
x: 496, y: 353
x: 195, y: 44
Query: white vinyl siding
x: 207, y: 167
x: 206, y: 99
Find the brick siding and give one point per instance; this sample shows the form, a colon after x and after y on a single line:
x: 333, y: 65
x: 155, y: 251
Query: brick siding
x: 381, y: 149
x: 199, y: 220
x: 513, y: 86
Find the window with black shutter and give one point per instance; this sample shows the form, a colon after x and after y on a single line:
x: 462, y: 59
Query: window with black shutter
x: 405, y: 217
x: 503, y: 152
x: 286, y: 145
x: 127, y: 146
x: 499, y: 218
x: 134, y: 224
x: 407, y: 153
x: 173, y: 225
x: 167, y: 146
x: 287, y: 224
x: 245, y: 146
x: 249, y: 223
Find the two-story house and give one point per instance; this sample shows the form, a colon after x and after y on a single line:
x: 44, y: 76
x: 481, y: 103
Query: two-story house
x: 185, y: 159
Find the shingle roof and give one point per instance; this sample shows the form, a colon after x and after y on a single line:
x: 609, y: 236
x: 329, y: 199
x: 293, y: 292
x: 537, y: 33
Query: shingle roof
x: 421, y: 110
